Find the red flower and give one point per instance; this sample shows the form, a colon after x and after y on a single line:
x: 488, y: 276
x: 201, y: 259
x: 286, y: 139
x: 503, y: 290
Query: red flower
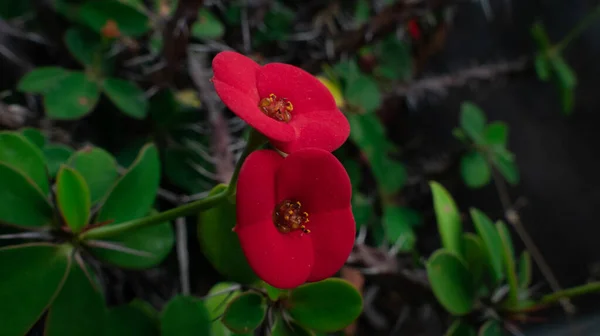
x: 285, y: 103
x: 294, y: 217
x: 414, y: 30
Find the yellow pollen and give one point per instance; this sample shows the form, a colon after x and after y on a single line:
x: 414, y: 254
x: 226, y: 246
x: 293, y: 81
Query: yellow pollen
x: 288, y: 216
x: 276, y: 108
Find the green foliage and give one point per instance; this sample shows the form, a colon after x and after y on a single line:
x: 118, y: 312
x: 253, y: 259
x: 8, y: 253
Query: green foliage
x: 399, y: 228
x: 285, y: 328
x: 73, y: 198
x: 218, y: 298
x: 460, y: 328
x: 130, y: 21
x: 18, y: 153
x: 451, y: 282
x: 245, y: 313
x: 475, y: 170
x: 74, y: 96
x: 131, y: 319
x: 98, y: 168
x: 127, y: 96
x: 183, y: 316
x: 207, y: 26
x: 448, y: 219
x: 491, y: 241
x: 42, y: 79
x: 509, y: 263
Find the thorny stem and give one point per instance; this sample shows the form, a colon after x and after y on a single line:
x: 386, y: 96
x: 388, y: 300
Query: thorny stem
x: 577, y: 30
x: 255, y: 141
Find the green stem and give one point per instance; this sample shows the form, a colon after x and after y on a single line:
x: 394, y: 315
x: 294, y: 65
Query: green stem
x: 570, y: 292
x: 255, y: 141
x: 580, y: 28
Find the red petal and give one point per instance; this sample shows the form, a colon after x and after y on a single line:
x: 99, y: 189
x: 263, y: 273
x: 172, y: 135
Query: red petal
x: 302, y: 89
x: 315, y: 178
x: 327, y: 130
x: 281, y: 260
x: 246, y: 107
x: 332, y: 235
x: 255, y: 196
x: 236, y: 70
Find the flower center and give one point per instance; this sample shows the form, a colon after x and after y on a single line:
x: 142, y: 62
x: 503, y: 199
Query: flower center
x: 288, y: 216
x: 276, y: 108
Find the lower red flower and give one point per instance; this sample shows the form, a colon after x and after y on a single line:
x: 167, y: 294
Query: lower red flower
x: 294, y: 217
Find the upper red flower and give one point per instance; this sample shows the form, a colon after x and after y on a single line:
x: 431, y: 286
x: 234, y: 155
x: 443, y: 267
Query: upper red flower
x: 285, y: 103
x: 294, y: 217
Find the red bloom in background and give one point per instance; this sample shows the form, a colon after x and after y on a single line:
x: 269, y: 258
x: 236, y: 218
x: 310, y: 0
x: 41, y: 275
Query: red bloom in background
x: 285, y: 103
x: 294, y: 218
x: 414, y: 30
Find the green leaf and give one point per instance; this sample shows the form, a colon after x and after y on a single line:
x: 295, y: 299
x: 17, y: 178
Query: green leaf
x: 491, y: 241
x: 73, y: 198
x: 507, y: 168
x: 17, y: 152
x: 207, y: 26
x: 179, y: 167
x: 509, y: 263
x: 362, y: 209
x: 183, y: 316
x: 542, y: 66
x: 98, y: 168
x: 42, y: 79
x: 85, y: 46
x: 448, y: 218
x: 363, y: 93
x: 475, y: 257
x: 475, y: 170
x: 220, y: 244
x: 283, y: 328
x: 75, y: 97
x: 398, y: 227
x: 496, y: 134
x: 245, y: 313
x: 134, y: 193
x: 127, y: 96
x: 538, y: 32
x: 567, y: 99
x: 78, y: 309
x: 12, y: 10
x: 490, y: 328
x: 129, y: 20
x: 328, y: 305
x: 32, y: 275
x: 55, y: 156
x: 395, y: 59
x: 460, y: 328
x: 35, y: 136
x: 130, y: 320
x: 22, y: 203
x: 472, y: 121
x: 217, y: 303
x: 525, y: 270
x: 564, y: 73
x: 451, y: 282
x: 362, y: 12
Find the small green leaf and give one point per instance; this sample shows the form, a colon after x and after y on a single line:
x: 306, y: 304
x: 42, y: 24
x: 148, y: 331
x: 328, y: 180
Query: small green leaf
x: 395, y: 59
x: 22, y: 203
x: 472, y: 121
x: 538, y: 32
x: 75, y: 97
x: 507, y: 168
x: 85, y: 46
x: 218, y: 298
x: 283, y: 328
x: 55, y: 156
x: 207, y: 26
x: 460, y: 328
x: 32, y: 276
x: 451, y: 282
x: 490, y: 328
x: 129, y: 21
x: 362, y: 12
x: 98, y: 168
x: 134, y: 193
x: 364, y: 93
x: 179, y: 166
x: 475, y: 257
x: 475, y: 170
x: 73, y: 198
x: 78, y: 309
x: 42, y: 79
x: 185, y: 316
x: 542, y: 66
x: 564, y: 73
x: 35, y: 136
x: 496, y: 134
x: 525, y: 270
x: 398, y: 227
x: 448, y: 218
x: 328, y: 305
x: 509, y: 263
x: 130, y: 320
x: 245, y: 313
x: 220, y: 244
x: 17, y: 152
x: 362, y: 209
x: 127, y: 96
x: 491, y: 240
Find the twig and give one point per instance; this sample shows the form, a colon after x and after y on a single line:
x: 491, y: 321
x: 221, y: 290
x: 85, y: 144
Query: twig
x: 182, y: 255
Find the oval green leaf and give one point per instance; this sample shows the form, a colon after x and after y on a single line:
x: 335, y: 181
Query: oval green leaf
x: 128, y: 20
x: 496, y: 134
x: 525, y: 268
x: 245, y: 313
x: 451, y: 282
x: 130, y: 319
x: 22, y: 203
x: 398, y: 229
x: 35, y: 136
x: 85, y: 46
x: 507, y: 167
x: 475, y: 257
x: 207, y: 26
x: 185, y: 316
x: 509, y: 263
x: 218, y: 298
x: 491, y: 241
x: 78, y: 309
x: 98, y: 168
x: 127, y: 96
x: 220, y: 244
x: 328, y: 305
x: 32, y: 275
x: 283, y: 328
x: 460, y: 328
x: 55, y: 156
x: 475, y: 170
x: 73, y: 198
x: 490, y: 328
x: 134, y: 193
x: 448, y: 218
x: 364, y: 93
x: 42, y: 79
x: 75, y: 97
x: 17, y: 152
x: 472, y: 121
